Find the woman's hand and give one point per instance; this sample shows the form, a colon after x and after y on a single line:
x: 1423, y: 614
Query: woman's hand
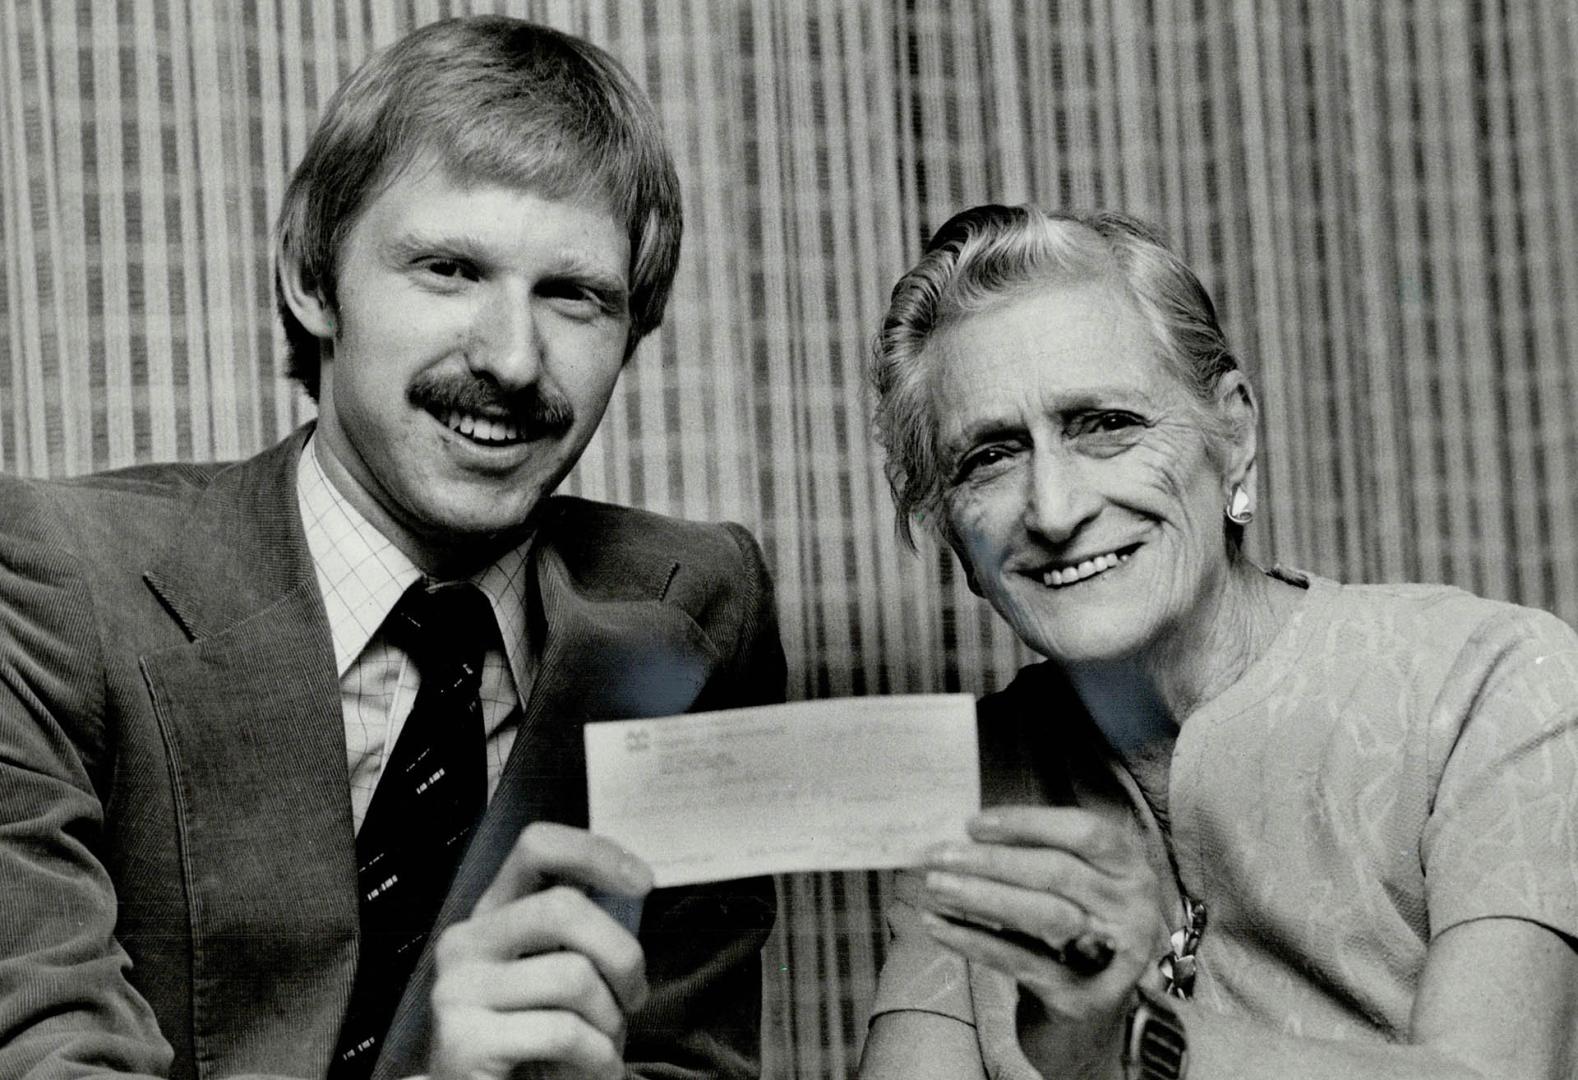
x: 1041, y: 889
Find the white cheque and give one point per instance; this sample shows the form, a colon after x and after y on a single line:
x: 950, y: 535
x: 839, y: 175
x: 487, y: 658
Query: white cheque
x: 851, y: 783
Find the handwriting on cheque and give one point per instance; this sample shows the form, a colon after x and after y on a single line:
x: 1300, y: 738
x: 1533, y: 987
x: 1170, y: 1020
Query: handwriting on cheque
x: 824, y: 785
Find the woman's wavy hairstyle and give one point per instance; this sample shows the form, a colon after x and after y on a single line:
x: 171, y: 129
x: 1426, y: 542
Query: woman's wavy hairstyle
x: 988, y: 254
x: 489, y: 99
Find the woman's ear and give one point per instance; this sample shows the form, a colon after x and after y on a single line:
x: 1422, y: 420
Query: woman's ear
x: 1235, y: 402
x: 962, y: 553
x: 303, y: 296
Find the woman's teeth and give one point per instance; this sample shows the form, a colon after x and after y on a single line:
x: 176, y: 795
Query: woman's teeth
x: 1087, y: 569
x: 480, y: 428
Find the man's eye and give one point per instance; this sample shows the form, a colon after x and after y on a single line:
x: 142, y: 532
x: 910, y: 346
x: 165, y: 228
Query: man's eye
x: 564, y: 290
x: 575, y: 297
x: 448, y: 268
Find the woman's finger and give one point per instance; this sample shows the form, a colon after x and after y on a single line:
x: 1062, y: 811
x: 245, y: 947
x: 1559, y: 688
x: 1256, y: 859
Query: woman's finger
x: 1060, y: 989
x: 1042, y: 916
x: 1103, y: 843
x: 1042, y: 870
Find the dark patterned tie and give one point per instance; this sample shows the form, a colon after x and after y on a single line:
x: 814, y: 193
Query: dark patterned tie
x: 429, y: 797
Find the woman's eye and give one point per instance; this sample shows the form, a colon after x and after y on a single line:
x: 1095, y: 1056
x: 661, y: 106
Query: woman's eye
x: 977, y: 462
x: 1108, y: 432
x: 1112, y: 421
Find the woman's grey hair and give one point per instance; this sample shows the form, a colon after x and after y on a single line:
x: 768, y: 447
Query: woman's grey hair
x: 988, y: 254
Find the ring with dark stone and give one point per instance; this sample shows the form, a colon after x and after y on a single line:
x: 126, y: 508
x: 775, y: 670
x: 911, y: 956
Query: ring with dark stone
x: 1087, y: 954
x: 1084, y: 954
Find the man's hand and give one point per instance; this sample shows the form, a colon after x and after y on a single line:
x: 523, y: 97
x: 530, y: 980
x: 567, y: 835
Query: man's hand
x: 540, y: 976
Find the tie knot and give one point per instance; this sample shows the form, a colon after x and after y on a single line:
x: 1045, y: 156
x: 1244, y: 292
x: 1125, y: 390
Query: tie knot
x: 444, y: 627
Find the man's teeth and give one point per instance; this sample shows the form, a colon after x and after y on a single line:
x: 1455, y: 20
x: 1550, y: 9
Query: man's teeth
x: 1086, y: 569
x: 480, y: 428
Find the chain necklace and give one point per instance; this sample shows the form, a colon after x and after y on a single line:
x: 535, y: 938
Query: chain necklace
x: 1180, y: 964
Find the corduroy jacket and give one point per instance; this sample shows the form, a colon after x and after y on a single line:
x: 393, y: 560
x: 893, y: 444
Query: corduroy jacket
x: 177, y: 871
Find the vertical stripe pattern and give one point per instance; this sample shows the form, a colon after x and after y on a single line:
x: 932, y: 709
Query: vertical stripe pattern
x: 1383, y: 197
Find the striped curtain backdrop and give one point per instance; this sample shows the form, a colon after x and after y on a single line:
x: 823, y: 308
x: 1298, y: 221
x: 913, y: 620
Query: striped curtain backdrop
x: 1382, y: 196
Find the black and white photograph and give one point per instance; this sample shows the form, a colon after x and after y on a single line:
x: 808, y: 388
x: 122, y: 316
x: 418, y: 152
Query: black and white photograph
x: 788, y: 539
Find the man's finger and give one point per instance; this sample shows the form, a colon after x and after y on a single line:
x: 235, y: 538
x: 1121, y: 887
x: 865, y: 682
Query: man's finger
x: 560, y: 918
x: 479, y: 1042
x: 564, y: 981
x: 546, y: 853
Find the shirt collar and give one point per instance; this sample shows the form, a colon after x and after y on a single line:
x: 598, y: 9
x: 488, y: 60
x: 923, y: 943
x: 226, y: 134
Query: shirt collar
x: 362, y: 574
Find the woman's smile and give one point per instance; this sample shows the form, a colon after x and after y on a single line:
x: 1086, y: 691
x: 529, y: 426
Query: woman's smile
x: 1068, y: 451
x: 1075, y: 571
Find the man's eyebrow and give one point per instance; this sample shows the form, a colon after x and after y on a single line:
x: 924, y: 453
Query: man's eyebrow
x: 570, y: 265
x: 413, y: 243
x: 596, y: 276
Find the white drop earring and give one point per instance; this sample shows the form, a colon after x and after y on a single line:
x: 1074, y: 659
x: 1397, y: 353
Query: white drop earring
x: 1239, y: 510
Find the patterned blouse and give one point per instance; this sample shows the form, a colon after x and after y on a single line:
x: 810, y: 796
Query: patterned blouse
x: 1404, y: 758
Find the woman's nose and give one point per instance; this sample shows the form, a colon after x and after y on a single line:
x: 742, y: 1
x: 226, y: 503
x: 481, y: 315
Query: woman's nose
x: 1061, y: 499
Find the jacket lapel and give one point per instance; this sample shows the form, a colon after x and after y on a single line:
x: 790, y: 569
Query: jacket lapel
x: 250, y: 711
x: 598, y: 657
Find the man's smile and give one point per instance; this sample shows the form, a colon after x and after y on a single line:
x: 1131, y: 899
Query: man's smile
x: 481, y: 429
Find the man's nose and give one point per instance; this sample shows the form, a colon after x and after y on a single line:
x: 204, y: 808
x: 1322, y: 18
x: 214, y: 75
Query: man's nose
x: 1061, y: 499
x: 505, y: 337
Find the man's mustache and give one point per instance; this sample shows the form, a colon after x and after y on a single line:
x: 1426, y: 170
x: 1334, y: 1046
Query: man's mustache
x: 535, y: 412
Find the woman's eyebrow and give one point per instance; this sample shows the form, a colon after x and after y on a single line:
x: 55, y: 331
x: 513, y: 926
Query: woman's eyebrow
x: 1100, y: 397
x: 986, y: 429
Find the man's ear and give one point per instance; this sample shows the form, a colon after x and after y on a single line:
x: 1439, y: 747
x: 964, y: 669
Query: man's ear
x: 304, y: 296
x: 1235, y: 401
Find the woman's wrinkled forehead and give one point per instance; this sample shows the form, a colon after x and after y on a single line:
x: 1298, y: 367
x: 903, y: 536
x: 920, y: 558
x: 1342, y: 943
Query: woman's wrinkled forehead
x: 1103, y: 300
x: 1050, y: 350
x: 1073, y: 320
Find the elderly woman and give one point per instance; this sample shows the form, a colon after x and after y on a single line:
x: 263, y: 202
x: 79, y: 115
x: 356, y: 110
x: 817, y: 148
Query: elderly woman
x: 1241, y: 822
